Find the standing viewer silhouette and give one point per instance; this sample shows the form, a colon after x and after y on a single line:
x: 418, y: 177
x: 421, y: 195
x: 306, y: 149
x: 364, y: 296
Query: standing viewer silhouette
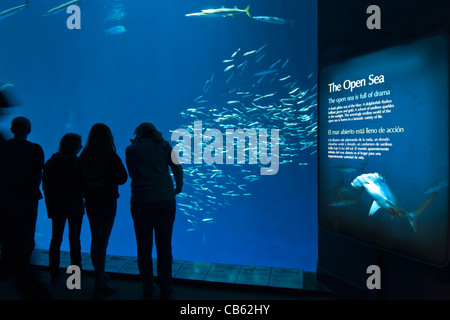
x: 22, y: 162
x: 103, y: 172
x: 62, y: 185
x: 153, y: 206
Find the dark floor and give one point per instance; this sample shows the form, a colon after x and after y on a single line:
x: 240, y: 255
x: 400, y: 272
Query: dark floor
x: 130, y: 289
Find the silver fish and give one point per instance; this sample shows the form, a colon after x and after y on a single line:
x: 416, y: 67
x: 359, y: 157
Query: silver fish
x: 275, y: 20
x: 60, y: 7
x: 228, y: 68
x: 261, y: 73
x: 9, y: 12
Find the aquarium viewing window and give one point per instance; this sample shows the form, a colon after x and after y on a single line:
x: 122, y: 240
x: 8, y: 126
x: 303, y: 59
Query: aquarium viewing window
x: 383, y: 148
x: 196, y: 71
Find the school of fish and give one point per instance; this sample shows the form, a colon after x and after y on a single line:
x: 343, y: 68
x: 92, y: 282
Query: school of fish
x: 252, y: 91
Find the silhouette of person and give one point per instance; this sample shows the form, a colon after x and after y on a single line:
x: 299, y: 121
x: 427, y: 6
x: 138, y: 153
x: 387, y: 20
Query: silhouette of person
x: 153, y: 205
x: 3, y: 185
x: 22, y: 163
x: 102, y: 171
x: 2, y: 173
x: 62, y: 186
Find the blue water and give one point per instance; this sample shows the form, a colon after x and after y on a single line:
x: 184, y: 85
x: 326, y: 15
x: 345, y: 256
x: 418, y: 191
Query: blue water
x: 141, y: 60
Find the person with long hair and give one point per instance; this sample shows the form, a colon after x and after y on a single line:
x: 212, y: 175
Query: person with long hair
x: 103, y: 171
x: 62, y: 185
x: 153, y: 205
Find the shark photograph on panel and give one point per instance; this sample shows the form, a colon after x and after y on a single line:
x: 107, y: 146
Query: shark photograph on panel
x: 383, y: 148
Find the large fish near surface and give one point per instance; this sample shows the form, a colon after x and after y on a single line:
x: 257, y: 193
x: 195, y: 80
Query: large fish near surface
x: 11, y: 11
x: 274, y: 20
x: 60, y: 7
x: 220, y: 12
x: 385, y: 198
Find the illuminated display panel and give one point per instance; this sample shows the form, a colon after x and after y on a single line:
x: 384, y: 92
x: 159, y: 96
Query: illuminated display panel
x: 383, y: 148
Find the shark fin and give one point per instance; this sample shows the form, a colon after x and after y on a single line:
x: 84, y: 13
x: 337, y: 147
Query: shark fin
x: 417, y: 212
x: 374, y: 208
x: 396, y: 209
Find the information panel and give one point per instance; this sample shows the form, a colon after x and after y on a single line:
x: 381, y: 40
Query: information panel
x: 383, y: 148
